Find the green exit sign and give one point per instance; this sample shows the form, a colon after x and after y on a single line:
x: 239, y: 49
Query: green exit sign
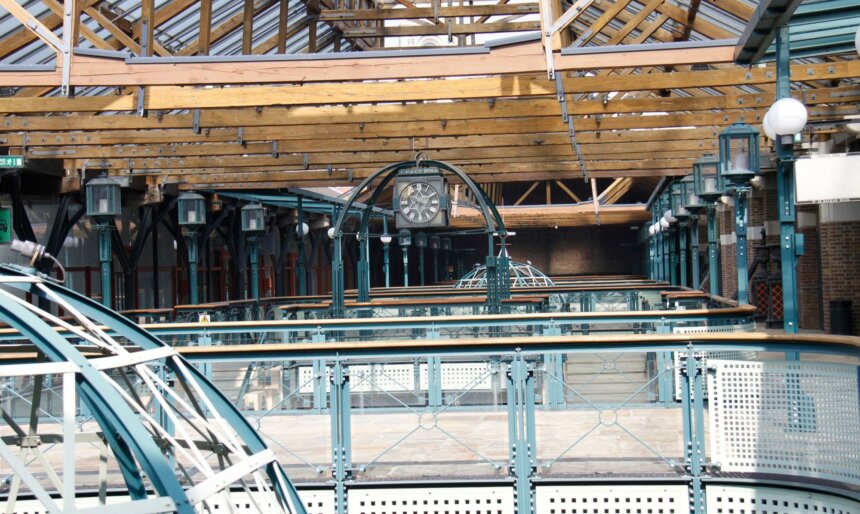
x: 11, y: 161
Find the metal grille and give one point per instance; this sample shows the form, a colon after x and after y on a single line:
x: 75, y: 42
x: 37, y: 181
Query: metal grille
x: 786, y: 417
x: 735, y: 355
x: 605, y: 499
x: 401, y: 377
x: 767, y: 500
x: 449, y: 500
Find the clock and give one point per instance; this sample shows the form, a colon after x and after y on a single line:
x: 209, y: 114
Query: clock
x: 421, y: 201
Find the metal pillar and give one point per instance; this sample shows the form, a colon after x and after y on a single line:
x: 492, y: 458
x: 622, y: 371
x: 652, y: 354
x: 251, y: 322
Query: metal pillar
x: 193, y: 245
x: 741, y: 208
x: 254, y: 257
x: 695, y: 277
x: 105, y: 230
x: 682, y: 253
x: 435, y: 266
x: 386, y: 265
x: 337, y: 291
x: 301, y: 271
x: 405, y: 266
x: 421, y: 265
x: 714, y: 271
x: 341, y: 446
x: 673, y: 256
x: 789, y: 248
x: 692, y: 408
x: 554, y: 364
x: 363, y: 272
x: 521, y: 433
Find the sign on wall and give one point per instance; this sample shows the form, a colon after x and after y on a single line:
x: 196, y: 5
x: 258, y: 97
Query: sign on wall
x: 828, y: 178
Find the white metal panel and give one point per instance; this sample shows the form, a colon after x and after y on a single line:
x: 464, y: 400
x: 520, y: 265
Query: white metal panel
x: 436, y: 500
x: 612, y: 499
x: 798, y: 418
x: 828, y: 178
x: 771, y: 500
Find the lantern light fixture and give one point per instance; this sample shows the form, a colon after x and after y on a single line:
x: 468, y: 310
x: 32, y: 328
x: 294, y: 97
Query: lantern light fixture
x: 446, y: 243
x: 739, y: 154
x: 191, y: 209
x: 404, y: 237
x: 706, y: 178
x: 435, y: 242
x: 421, y: 240
x: 103, y: 198
x: 253, y: 217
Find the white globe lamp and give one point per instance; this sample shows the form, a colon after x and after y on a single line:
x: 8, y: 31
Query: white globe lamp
x: 331, y: 233
x: 766, y: 128
x: 787, y: 117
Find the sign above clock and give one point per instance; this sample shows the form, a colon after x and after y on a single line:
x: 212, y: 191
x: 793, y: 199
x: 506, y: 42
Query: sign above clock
x: 419, y: 170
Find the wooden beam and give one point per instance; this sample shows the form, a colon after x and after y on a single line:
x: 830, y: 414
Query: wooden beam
x: 31, y: 23
x: 247, y: 27
x: 226, y: 27
x: 426, y: 12
x: 283, y: 25
x: 441, y: 29
x: 205, y: 33
x: 526, y: 194
x: 147, y: 8
x: 567, y: 190
x: 608, y: 15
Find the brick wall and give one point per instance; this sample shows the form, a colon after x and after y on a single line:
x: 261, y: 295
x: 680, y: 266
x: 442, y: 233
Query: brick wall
x: 592, y: 250
x: 809, y: 269
x: 840, y: 271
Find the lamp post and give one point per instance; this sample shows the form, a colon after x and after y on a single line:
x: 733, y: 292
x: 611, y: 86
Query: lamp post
x: 253, y: 224
x: 421, y: 244
x: 670, y: 271
x: 435, y: 244
x: 103, y: 206
x: 191, y: 209
x: 404, y: 237
x: 785, y: 118
x: 385, y: 238
x: 302, y: 230
x: 708, y: 186
x: 446, y: 254
x: 694, y: 205
x: 679, y: 211
x: 739, y: 163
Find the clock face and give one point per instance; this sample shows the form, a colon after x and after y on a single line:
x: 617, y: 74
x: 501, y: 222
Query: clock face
x: 419, y: 202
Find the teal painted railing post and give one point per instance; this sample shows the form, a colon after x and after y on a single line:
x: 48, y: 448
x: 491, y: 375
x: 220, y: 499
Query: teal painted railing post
x: 682, y: 253
x: 337, y: 287
x: 554, y: 364
x: 434, y: 375
x: 363, y: 275
x: 665, y: 366
x: 319, y: 382
x: 692, y: 408
x: 714, y: 272
x: 674, y: 250
x: 741, y: 220
x: 341, y: 434
x: 695, y: 276
x: 105, y: 230
x: 788, y: 239
x: 522, y: 440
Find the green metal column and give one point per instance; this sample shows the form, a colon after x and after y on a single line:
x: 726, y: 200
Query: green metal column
x: 522, y: 439
x: 695, y: 278
x: 554, y: 364
x: 193, y: 244
x: 673, y: 256
x: 254, y: 257
x: 337, y: 289
x: 341, y: 434
x: 301, y: 271
x: 714, y: 271
x: 363, y: 275
x: 386, y: 265
x: 682, y: 253
x: 435, y: 265
x: 741, y: 216
x: 788, y: 239
x: 405, y: 266
x: 421, y: 265
x: 105, y: 230
x: 692, y: 408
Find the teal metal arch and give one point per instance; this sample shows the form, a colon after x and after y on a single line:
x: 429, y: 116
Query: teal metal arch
x: 495, y: 226
x: 125, y: 433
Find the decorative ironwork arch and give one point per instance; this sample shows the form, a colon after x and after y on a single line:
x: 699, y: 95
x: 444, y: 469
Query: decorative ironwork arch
x: 495, y: 226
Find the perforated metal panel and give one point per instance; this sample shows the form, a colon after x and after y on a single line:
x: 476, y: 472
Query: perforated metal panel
x: 451, y: 500
x: 606, y: 499
x: 401, y: 377
x: 768, y: 500
x: 732, y: 329
x: 318, y: 501
x: 705, y: 356
x: 786, y: 417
